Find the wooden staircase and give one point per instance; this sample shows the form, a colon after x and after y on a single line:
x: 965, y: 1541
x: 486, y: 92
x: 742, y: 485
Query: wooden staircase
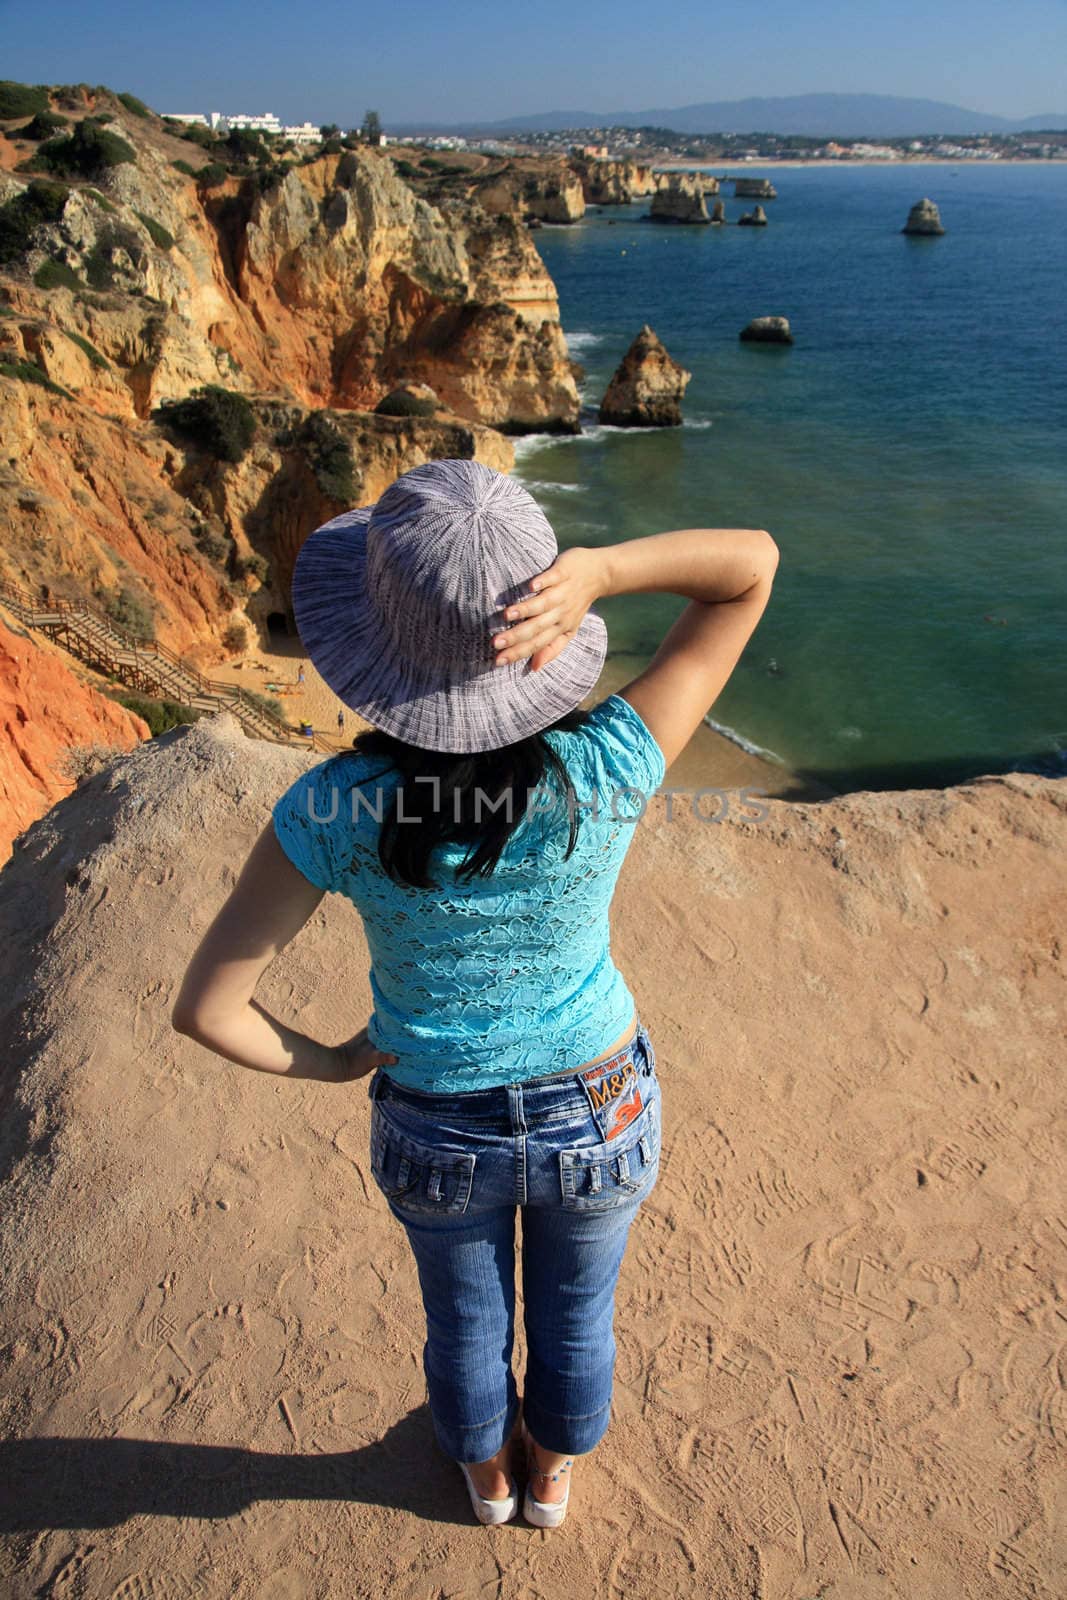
x: 150, y: 669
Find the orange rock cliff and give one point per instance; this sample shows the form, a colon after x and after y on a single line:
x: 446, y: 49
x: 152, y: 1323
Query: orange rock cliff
x: 313, y: 288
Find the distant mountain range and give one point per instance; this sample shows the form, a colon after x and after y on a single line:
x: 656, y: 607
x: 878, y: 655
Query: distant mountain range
x: 819, y: 116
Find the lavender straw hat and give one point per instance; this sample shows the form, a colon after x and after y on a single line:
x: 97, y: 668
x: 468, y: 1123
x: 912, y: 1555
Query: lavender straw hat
x: 397, y: 605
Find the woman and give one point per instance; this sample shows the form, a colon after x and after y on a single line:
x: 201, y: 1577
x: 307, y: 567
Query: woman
x: 479, y: 828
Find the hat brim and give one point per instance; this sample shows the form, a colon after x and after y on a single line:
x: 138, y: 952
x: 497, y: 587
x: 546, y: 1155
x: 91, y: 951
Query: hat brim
x: 345, y: 642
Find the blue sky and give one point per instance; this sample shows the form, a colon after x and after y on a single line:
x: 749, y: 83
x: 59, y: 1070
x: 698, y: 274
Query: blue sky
x: 476, y: 60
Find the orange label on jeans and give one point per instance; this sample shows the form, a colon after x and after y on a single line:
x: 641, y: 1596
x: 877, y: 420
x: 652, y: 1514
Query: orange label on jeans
x: 614, y: 1095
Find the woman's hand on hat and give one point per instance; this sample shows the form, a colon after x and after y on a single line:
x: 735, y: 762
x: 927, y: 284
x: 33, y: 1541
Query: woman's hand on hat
x: 540, y: 627
x: 357, y: 1058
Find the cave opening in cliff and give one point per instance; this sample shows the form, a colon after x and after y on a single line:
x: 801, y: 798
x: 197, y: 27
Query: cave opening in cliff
x: 279, y: 625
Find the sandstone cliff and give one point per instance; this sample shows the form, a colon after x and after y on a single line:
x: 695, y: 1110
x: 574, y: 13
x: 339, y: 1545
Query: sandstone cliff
x: 313, y: 289
x: 47, y: 711
x: 613, y: 183
x: 681, y: 199
x: 844, y: 1286
x: 327, y: 284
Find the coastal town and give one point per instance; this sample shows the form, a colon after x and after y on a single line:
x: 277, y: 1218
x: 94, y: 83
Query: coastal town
x: 660, y: 145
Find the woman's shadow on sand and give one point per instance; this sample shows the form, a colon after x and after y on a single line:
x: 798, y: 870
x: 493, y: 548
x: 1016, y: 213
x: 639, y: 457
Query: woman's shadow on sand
x: 98, y: 1483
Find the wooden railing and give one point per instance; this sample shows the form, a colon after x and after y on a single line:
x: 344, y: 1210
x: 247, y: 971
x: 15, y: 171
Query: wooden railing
x: 150, y: 667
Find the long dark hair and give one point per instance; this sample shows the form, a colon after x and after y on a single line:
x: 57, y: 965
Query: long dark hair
x: 455, y: 800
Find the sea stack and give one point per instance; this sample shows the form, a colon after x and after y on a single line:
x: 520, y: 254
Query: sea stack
x: 718, y: 212
x: 768, y: 330
x: 756, y: 218
x: 680, y: 199
x: 924, y: 218
x: 647, y: 388
x: 754, y: 189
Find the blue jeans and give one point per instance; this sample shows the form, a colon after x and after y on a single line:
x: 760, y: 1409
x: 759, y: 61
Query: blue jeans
x: 578, y: 1152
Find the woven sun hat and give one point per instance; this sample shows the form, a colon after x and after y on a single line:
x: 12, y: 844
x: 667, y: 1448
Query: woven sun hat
x: 397, y: 605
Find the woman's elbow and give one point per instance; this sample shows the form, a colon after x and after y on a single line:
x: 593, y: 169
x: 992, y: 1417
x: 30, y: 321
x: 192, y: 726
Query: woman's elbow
x: 183, y: 1018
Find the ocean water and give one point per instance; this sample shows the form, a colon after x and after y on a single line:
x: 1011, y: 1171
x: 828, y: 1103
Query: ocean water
x: 908, y: 453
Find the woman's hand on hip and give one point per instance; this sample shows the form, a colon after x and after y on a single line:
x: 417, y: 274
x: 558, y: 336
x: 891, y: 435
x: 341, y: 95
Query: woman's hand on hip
x: 357, y: 1058
x: 539, y: 628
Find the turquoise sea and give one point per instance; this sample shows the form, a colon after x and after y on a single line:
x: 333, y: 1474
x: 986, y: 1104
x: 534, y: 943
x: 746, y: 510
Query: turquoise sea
x: 907, y: 454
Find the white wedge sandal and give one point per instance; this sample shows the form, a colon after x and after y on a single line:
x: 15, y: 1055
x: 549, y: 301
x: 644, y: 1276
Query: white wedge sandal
x: 541, y: 1513
x: 492, y: 1511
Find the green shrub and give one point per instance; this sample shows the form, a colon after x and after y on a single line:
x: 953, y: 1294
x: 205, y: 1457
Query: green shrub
x: 407, y: 169
x: 271, y: 178
x: 38, y: 203
x: 56, y: 275
x: 103, y: 202
x: 130, y: 613
x: 329, y: 454
x: 255, y: 566
x: 265, y: 702
x: 21, y: 99
x: 100, y: 270
x: 28, y: 372
x: 244, y: 144
x: 214, y: 173
x: 235, y: 637
x: 90, y: 349
x: 210, y: 544
x: 158, y: 232
x: 220, y: 420
x: 195, y: 133
x: 43, y: 126
x: 161, y: 715
x: 184, y: 167
x: 131, y: 102
x: 332, y: 147
x: 88, y: 151
x: 398, y: 404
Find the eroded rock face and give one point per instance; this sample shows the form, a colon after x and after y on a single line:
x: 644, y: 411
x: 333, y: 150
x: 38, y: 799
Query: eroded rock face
x: 923, y: 218
x: 613, y: 183
x: 754, y: 189
x: 541, y: 188
x: 718, y: 212
x: 46, y: 710
x: 319, y: 284
x: 767, y: 330
x: 680, y: 199
x: 756, y: 218
x: 647, y: 387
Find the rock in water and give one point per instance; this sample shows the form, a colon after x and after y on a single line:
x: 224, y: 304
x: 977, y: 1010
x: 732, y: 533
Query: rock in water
x: 647, y: 388
x: 756, y: 218
x: 754, y: 189
x: 768, y: 330
x: 923, y: 217
x: 680, y: 199
x: 718, y: 212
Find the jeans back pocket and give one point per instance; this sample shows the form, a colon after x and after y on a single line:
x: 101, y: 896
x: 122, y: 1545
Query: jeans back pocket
x: 416, y: 1176
x: 616, y: 1172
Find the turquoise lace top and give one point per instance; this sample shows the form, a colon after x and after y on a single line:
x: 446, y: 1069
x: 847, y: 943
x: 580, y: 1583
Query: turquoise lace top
x: 490, y: 980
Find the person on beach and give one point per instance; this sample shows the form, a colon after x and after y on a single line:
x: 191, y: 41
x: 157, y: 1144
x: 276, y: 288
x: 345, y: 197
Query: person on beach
x: 479, y: 828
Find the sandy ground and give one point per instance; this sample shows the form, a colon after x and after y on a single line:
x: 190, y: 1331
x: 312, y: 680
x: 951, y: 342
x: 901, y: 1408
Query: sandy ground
x: 841, y: 1360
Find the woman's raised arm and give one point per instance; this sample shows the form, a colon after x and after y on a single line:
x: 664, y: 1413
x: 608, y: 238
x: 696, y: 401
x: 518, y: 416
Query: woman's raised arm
x: 725, y: 573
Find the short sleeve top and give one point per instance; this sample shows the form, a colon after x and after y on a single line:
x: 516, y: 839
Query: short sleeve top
x: 492, y: 980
